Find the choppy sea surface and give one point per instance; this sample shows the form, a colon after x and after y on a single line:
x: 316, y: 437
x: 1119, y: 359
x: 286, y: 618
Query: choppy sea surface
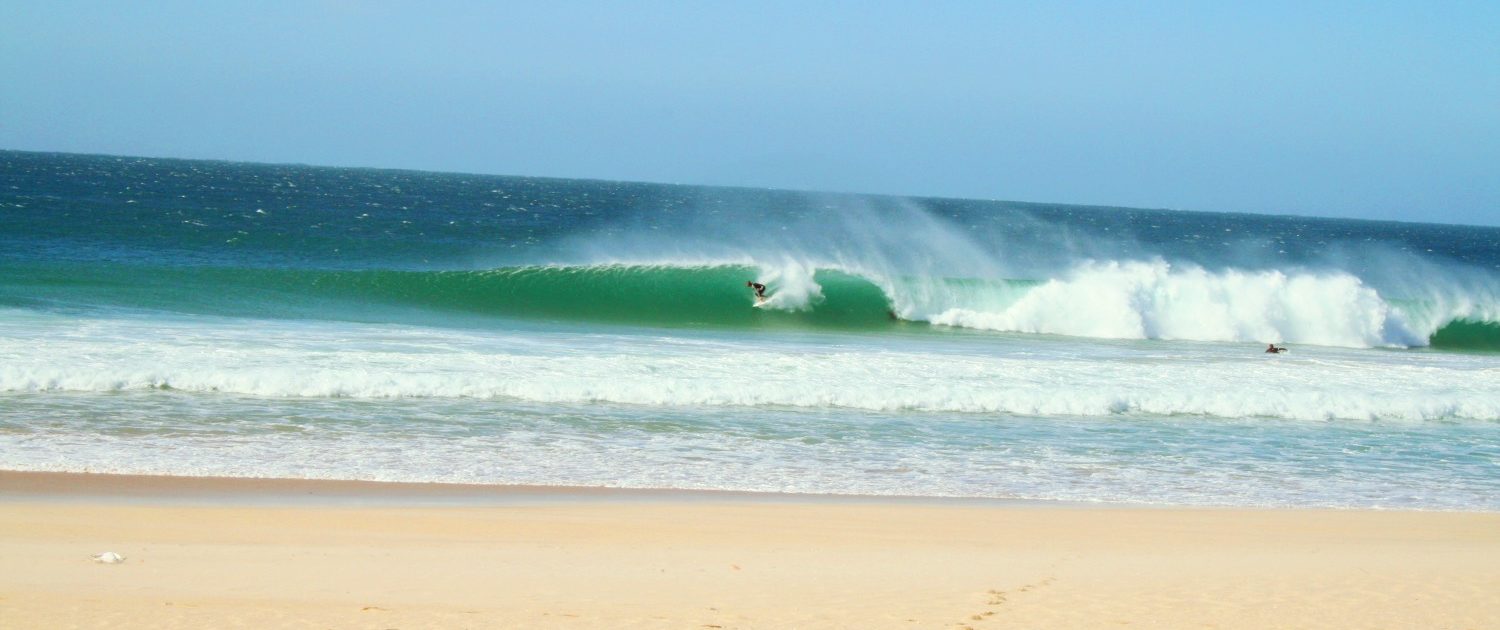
x: 211, y: 318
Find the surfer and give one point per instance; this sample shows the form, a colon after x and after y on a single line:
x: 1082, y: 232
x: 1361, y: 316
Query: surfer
x: 1272, y: 349
x: 760, y: 290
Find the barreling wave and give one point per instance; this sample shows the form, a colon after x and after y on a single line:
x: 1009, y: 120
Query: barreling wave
x: 668, y: 295
x: 1112, y: 299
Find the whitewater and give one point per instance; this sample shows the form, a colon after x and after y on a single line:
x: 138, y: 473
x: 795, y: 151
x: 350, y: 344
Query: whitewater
x: 208, y: 318
x: 1052, y: 377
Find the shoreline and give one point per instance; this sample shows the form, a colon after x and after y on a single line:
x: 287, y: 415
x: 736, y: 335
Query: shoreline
x: 175, y: 489
x: 210, y: 552
x: 22, y: 485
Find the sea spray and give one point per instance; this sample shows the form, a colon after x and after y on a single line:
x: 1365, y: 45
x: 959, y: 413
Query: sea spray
x: 792, y: 285
x: 211, y: 318
x: 1098, y: 299
x: 1158, y: 300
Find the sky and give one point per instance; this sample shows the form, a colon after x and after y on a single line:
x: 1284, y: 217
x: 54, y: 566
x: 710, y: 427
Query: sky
x: 1361, y: 109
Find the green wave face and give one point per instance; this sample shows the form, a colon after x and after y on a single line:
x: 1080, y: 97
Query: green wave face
x: 641, y: 295
x: 1468, y: 335
x: 702, y: 296
x: 714, y: 296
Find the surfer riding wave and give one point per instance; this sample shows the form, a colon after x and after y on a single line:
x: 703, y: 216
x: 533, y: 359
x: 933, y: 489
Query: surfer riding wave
x: 759, y: 289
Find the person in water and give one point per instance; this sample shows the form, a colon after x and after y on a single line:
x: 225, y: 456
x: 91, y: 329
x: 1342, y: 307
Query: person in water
x: 760, y: 290
x: 1272, y: 349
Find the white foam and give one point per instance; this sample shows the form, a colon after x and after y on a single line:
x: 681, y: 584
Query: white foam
x: 1172, y: 461
x: 1035, y: 378
x: 1159, y: 300
x: 790, y: 285
x: 912, y: 255
x: 1145, y: 299
x: 1037, y: 417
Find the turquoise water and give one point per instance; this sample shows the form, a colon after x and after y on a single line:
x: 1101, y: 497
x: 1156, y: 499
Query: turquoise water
x: 209, y: 318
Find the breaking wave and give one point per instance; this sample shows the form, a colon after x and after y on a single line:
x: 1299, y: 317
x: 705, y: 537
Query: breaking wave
x: 1110, y: 299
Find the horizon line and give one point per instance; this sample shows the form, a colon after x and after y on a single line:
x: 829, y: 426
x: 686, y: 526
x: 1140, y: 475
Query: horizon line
x: 918, y: 197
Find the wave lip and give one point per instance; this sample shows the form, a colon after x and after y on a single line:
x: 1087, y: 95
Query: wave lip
x: 1158, y: 300
x: 1100, y: 299
x: 709, y: 294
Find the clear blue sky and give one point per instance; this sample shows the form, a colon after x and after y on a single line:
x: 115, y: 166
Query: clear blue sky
x: 1362, y: 109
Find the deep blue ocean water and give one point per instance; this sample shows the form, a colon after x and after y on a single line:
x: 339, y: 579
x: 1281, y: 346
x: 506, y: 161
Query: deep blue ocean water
x: 213, y: 318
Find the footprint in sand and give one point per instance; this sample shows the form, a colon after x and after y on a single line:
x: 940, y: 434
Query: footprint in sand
x: 998, y: 598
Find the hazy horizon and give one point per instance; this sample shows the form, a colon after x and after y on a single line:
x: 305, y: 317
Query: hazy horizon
x: 1337, y: 110
x: 731, y: 186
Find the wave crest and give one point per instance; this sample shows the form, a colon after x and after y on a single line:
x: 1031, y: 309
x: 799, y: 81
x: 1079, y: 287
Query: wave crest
x: 1100, y: 299
x: 1157, y: 300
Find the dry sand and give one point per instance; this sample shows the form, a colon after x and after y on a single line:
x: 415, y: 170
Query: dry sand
x: 225, y: 553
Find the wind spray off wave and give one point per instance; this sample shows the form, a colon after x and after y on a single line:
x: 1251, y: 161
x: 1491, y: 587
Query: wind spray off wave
x: 209, y: 318
x: 1059, y: 281
x: 1158, y: 300
x: 1107, y: 300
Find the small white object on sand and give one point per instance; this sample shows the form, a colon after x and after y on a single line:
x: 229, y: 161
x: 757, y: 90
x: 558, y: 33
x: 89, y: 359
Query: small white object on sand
x: 108, y: 557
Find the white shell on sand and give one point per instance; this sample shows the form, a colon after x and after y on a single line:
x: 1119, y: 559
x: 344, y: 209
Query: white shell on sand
x: 108, y: 557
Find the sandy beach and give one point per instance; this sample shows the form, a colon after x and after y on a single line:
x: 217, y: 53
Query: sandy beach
x: 243, y: 553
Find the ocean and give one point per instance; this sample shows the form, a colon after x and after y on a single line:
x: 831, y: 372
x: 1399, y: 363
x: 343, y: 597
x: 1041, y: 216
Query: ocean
x: 183, y: 317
